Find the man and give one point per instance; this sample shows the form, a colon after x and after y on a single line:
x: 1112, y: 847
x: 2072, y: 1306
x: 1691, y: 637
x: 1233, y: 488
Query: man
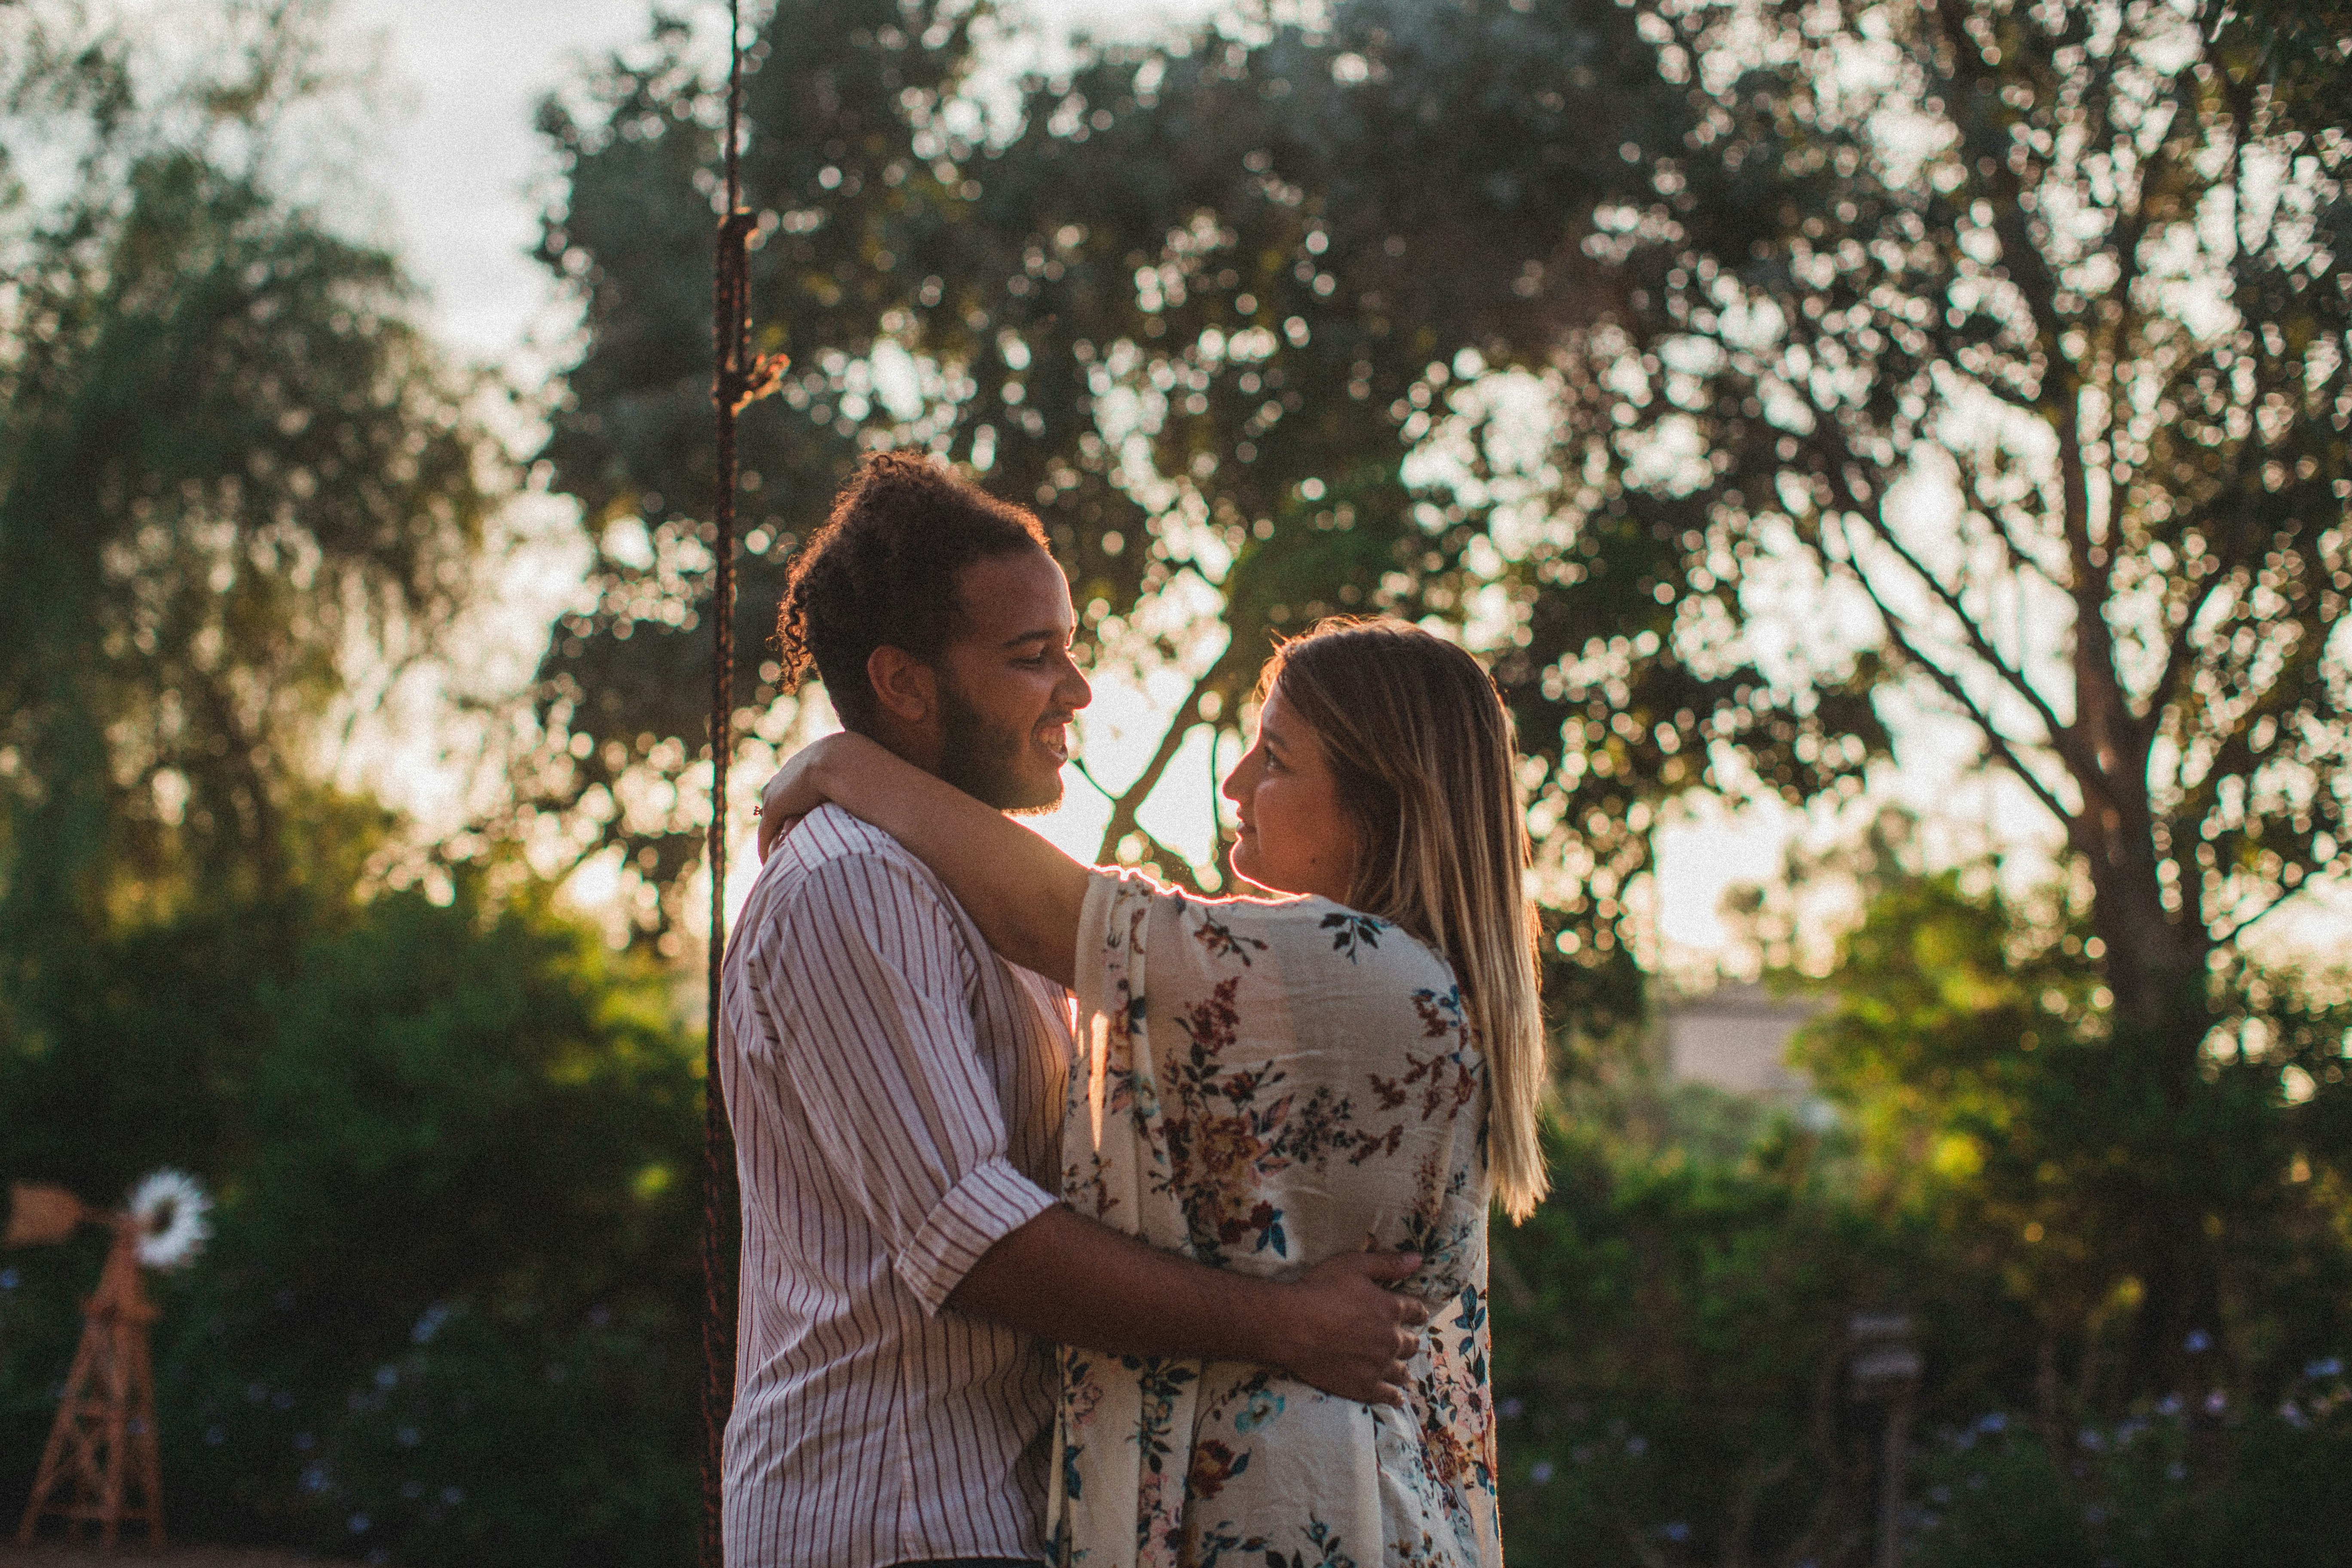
x: 897, y: 1092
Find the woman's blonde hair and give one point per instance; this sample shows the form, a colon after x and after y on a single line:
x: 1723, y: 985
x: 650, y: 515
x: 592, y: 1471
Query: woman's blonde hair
x: 1421, y: 749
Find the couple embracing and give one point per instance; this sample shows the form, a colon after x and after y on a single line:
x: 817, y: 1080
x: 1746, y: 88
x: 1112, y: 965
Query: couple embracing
x: 1086, y: 1220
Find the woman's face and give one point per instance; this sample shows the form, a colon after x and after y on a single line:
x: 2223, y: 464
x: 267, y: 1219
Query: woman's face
x: 1295, y: 835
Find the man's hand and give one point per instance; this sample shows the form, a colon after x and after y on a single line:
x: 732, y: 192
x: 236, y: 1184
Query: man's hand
x: 1066, y: 1279
x: 1349, y: 1335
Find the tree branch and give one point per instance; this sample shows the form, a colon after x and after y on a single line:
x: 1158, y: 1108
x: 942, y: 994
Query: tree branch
x: 1951, y: 685
x: 1127, y: 805
x: 1873, y: 519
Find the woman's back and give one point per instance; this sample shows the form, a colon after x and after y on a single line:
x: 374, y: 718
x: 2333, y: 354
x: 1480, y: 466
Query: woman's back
x: 1263, y: 1085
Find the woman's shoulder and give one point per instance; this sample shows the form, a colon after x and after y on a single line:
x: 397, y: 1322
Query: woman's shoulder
x: 1300, y: 933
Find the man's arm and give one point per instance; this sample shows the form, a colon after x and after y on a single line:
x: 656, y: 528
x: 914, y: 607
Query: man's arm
x: 1066, y: 1278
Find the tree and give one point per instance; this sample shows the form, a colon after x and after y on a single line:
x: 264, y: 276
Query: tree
x: 1232, y: 315
x: 2078, y: 272
x: 230, y: 466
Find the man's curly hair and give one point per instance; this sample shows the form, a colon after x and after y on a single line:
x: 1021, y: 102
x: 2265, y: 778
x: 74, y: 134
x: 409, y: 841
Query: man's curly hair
x: 883, y: 569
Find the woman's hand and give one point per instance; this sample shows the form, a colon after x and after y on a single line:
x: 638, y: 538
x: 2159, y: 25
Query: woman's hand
x: 798, y: 788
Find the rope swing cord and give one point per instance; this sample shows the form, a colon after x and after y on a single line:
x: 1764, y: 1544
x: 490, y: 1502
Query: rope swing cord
x: 736, y: 378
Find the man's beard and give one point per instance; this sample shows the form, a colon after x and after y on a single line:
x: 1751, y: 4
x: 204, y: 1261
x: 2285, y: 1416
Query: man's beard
x: 982, y: 759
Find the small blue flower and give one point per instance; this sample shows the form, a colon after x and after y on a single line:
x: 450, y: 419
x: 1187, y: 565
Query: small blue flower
x: 409, y: 1436
x: 1262, y: 1408
x: 2198, y: 1342
x: 386, y: 1376
x: 1540, y: 1472
x: 216, y: 1436
x: 453, y: 1496
x: 430, y: 1323
x: 360, y: 1524
x: 2326, y: 1366
x: 1637, y: 1445
x: 1996, y: 1421
x: 1677, y: 1531
x: 1510, y: 1409
x: 9, y: 1278
x: 304, y: 1442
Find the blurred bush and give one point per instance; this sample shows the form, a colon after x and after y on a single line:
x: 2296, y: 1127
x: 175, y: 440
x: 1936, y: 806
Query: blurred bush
x: 449, y: 1314
x: 2171, y: 1486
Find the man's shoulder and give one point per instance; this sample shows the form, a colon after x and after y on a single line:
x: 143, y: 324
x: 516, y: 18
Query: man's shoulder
x: 830, y: 834
x: 830, y: 850
x: 829, y: 847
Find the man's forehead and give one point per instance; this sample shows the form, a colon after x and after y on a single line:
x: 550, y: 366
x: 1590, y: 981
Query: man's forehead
x: 1012, y: 598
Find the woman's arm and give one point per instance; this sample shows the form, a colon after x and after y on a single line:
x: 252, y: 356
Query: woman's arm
x: 1022, y: 893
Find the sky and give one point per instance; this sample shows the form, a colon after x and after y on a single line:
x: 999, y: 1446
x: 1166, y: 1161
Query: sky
x: 450, y: 174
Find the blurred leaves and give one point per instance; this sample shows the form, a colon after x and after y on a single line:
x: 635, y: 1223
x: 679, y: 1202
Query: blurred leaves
x: 229, y: 466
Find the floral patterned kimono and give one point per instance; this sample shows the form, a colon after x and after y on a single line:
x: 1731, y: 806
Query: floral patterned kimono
x: 1262, y: 1086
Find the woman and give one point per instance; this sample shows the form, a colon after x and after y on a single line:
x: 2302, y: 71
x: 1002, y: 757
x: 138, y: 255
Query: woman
x: 1262, y: 1084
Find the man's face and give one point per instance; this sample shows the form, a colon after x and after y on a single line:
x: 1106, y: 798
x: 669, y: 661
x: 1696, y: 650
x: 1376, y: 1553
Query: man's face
x: 1007, y: 685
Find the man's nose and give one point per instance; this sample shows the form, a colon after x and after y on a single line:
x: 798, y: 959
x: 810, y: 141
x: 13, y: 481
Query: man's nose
x: 1075, y: 691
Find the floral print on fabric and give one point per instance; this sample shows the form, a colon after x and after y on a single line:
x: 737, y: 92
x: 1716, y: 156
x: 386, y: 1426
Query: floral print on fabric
x: 1262, y: 1086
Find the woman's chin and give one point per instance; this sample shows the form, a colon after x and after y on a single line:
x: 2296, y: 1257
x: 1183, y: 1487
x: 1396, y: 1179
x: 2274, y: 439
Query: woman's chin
x: 1245, y: 867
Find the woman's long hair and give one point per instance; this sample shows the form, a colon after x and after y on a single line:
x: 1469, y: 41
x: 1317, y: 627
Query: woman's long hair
x: 1422, y: 754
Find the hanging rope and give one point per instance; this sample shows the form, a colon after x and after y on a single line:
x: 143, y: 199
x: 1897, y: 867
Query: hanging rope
x: 736, y: 378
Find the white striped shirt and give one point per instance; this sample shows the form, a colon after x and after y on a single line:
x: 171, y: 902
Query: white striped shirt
x: 897, y: 1092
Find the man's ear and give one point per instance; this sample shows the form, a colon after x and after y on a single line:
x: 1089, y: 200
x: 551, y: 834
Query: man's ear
x: 906, y: 689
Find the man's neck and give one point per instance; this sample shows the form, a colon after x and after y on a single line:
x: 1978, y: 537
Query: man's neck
x: 908, y: 743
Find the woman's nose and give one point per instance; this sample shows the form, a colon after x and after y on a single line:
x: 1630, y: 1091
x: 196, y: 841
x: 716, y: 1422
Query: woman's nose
x: 1232, y: 787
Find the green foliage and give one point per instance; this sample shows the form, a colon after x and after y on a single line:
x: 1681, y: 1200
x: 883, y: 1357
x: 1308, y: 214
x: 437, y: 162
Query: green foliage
x: 1669, y: 1365
x: 448, y: 1313
x: 226, y: 457
x: 1670, y: 1335
x: 452, y: 1290
x: 2160, y: 1490
x: 2002, y: 1107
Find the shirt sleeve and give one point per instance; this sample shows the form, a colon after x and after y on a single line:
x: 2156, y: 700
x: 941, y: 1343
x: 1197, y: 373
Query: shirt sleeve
x: 880, y: 1044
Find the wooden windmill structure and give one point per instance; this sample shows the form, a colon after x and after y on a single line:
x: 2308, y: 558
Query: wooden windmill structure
x: 100, y: 1469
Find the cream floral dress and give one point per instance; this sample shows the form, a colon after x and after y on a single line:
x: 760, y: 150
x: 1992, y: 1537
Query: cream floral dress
x: 1262, y: 1086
